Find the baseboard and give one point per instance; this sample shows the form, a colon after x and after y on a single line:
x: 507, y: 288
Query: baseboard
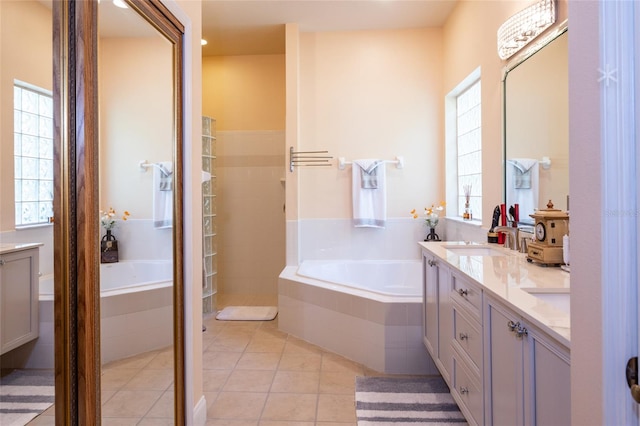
x: 200, y: 412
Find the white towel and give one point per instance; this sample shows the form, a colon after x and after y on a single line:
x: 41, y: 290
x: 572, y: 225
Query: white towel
x: 369, y: 204
x: 520, y: 189
x: 163, y: 195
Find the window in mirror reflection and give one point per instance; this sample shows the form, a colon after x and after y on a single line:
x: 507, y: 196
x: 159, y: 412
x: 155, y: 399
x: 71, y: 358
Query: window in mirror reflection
x: 469, y: 152
x: 33, y: 154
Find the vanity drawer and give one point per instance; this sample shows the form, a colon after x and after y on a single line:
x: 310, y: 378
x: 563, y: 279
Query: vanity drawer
x: 467, y: 391
x: 468, y: 337
x: 467, y: 295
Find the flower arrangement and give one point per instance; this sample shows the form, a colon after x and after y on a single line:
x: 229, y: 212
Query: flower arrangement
x: 431, y: 214
x: 108, y: 218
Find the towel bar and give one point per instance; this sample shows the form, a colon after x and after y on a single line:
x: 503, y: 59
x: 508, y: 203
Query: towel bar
x: 399, y: 162
x: 144, y: 165
x: 308, y: 158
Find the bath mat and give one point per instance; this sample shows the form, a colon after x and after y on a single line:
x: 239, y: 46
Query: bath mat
x: 24, y: 394
x: 247, y: 313
x: 403, y: 401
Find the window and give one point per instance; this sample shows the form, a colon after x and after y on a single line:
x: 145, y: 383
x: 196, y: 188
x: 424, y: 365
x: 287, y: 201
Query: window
x: 464, y: 148
x: 33, y: 154
x: 469, y: 143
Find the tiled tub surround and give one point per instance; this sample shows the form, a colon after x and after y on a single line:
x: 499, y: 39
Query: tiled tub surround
x: 382, y: 332
x: 135, y: 318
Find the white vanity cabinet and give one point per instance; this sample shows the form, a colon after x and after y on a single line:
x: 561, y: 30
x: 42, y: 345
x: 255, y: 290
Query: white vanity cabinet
x: 18, y: 295
x: 467, y: 347
x: 437, y: 318
x: 527, y: 372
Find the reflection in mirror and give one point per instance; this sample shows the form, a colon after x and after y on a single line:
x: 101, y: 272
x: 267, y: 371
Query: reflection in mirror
x: 136, y: 115
x: 536, y: 109
x: 26, y: 193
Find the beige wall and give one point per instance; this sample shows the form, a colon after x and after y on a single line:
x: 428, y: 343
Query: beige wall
x: 371, y: 94
x: 25, y: 55
x: 135, y: 120
x: 244, y: 92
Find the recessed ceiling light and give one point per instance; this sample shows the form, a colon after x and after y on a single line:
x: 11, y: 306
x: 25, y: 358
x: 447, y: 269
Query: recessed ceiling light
x: 120, y: 3
x: 203, y: 42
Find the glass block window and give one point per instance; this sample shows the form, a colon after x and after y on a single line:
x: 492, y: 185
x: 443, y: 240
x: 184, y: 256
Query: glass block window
x: 469, y: 149
x: 33, y: 154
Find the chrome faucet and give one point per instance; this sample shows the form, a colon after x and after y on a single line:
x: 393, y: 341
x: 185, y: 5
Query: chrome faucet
x: 511, y: 234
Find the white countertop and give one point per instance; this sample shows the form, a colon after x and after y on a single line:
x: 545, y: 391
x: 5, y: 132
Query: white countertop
x: 13, y: 247
x: 509, y: 277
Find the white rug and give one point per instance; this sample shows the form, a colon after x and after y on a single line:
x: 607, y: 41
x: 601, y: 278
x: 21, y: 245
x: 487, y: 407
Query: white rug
x: 24, y: 394
x: 247, y: 313
x: 405, y: 401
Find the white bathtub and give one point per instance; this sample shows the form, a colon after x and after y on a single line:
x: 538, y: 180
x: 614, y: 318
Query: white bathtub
x: 136, y: 310
x: 368, y: 311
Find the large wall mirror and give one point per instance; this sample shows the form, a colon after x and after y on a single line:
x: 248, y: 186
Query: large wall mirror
x: 119, y: 99
x: 536, y: 127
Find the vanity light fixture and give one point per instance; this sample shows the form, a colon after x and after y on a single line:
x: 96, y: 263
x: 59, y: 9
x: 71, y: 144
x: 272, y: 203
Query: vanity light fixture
x: 524, y: 26
x: 120, y: 3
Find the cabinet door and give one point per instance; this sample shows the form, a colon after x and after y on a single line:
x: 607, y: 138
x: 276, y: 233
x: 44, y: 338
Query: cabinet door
x: 505, y: 368
x: 18, y: 299
x: 548, y: 394
x: 430, y: 305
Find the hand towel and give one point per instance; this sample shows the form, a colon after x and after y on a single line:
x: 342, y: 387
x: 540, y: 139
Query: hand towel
x: 522, y: 172
x: 163, y: 195
x: 369, y: 204
x: 524, y: 194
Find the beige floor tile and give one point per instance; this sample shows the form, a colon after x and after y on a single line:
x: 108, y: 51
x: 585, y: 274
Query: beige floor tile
x: 237, y: 406
x: 336, y: 408
x: 214, y: 380
x: 265, y: 344
x: 259, y: 361
x: 249, y: 381
x: 120, y: 421
x: 300, y: 361
x: 337, y: 423
x: 296, y: 381
x: 106, y: 395
x: 295, y: 345
x: 136, y: 361
x: 157, y: 422
x: 230, y: 343
x: 337, y: 382
x: 333, y: 362
x: 163, y: 360
x: 290, y: 406
x: 284, y: 423
x: 116, y: 378
x: 150, y: 379
x: 43, y: 420
x: 227, y: 422
x: 126, y: 403
x: 214, y: 360
x: 163, y: 408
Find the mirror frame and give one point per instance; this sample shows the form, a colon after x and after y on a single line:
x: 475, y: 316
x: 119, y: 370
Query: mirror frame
x: 76, y: 207
x: 521, y: 57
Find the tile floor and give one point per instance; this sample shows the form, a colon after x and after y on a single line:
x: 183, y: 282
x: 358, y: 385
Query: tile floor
x: 253, y: 374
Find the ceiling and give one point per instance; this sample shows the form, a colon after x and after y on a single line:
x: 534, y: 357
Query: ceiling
x: 255, y: 27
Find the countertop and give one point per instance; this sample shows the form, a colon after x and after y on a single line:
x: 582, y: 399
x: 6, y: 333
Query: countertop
x: 13, y: 247
x: 508, y: 276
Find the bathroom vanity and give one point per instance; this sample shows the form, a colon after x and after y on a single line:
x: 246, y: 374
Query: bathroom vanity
x: 19, y: 265
x: 498, y: 330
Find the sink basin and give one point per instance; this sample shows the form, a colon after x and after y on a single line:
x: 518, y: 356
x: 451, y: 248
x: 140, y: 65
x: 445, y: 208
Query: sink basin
x: 560, y: 301
x: 475, y: 251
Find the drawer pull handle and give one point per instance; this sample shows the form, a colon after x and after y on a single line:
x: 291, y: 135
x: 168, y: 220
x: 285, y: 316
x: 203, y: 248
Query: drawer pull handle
x: 431, y: 262
x: 463, y: 292
x: 1, y: 262
x: 463, y: 391
x: 464, y: 336
x: 518, y: 329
